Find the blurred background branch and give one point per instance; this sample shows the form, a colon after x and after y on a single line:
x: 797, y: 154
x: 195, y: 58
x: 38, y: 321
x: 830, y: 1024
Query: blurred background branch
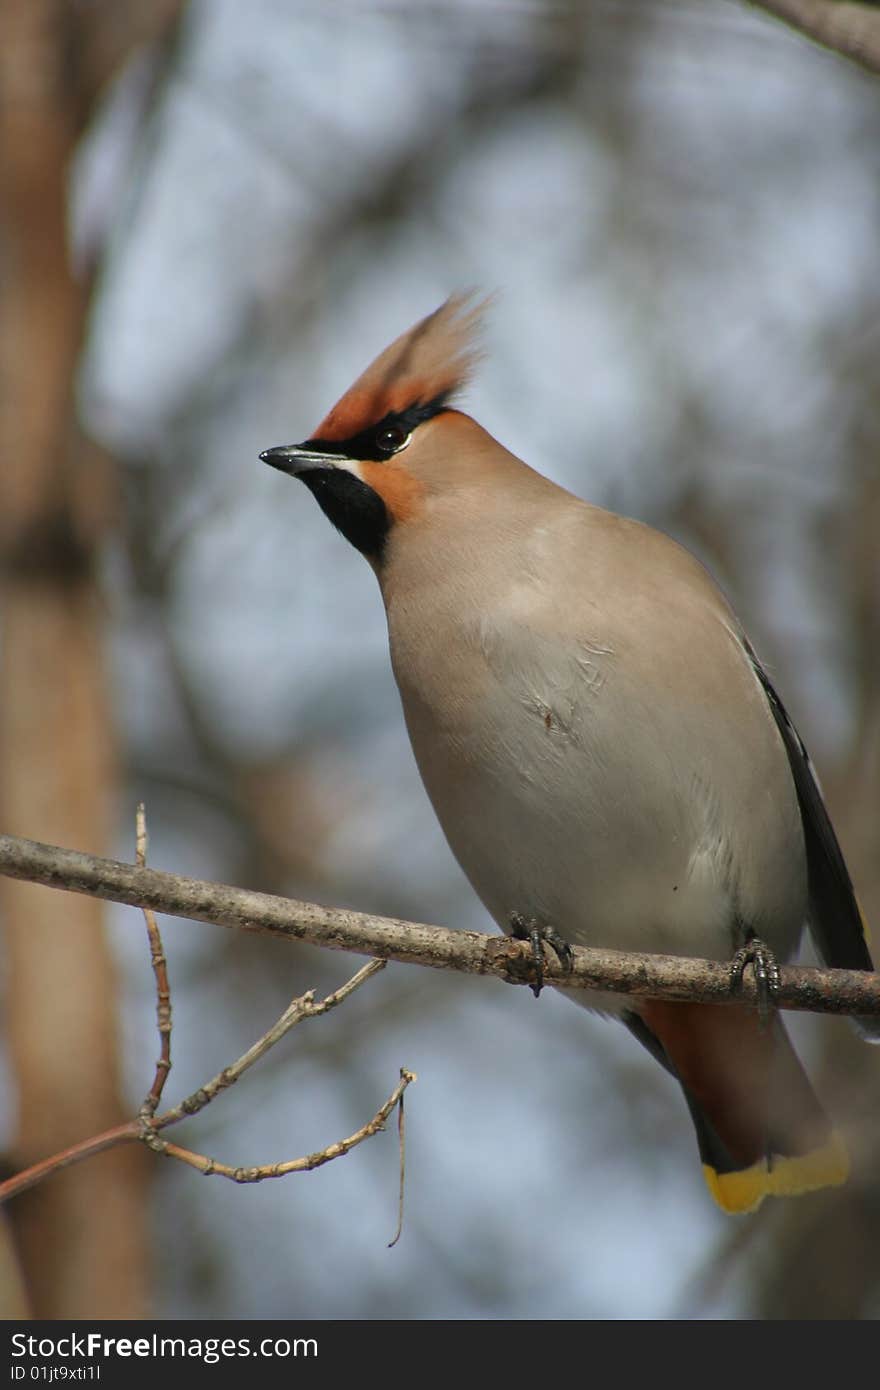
x: 58, y: 749
x: 852, y: 30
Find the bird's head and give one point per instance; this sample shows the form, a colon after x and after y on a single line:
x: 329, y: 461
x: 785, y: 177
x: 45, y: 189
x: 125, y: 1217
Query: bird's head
x: 393, y: 439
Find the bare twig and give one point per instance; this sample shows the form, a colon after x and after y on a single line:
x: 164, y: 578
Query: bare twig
x: 146, y: 1126
x: 160, y: 971
x: 852, y: 30
x: 107, y: 1139
x: 628, y: 973
x: 304, y: 1007
x: 401, y: 1136
x: 210, y: 1167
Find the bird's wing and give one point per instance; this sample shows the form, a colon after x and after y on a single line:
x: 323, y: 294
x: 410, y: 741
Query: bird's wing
x: 836, y: 922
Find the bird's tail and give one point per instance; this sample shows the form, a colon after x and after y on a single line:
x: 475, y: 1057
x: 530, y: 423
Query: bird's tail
x: 761, y: 1130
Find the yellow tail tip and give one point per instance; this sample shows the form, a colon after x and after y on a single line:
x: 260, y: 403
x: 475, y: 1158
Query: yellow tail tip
x: 746, y: 1189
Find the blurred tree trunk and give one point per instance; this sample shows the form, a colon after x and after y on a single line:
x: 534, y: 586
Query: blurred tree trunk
x: 82, y: 1236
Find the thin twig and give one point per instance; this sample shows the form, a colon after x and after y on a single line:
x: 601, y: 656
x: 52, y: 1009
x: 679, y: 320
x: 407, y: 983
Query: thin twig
x: 628, y: 973
x: 401, y: 1139
x: 146, y: 1127
x: 87, y: 1148
x: 160, y: 971
x: 210, y: 1167
x: 296, y: 1011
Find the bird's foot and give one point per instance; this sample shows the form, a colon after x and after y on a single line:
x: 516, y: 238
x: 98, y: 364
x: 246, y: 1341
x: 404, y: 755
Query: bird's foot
x: 527, y: 929
x: 758, y: 954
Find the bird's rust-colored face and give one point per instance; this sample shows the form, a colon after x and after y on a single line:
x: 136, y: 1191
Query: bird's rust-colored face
x: 357, y: 463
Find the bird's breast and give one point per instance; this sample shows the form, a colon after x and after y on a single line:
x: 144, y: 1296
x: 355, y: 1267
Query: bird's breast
x: 571, y: 790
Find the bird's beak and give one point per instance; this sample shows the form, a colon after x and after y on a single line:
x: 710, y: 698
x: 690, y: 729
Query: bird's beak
x: 296, y: 459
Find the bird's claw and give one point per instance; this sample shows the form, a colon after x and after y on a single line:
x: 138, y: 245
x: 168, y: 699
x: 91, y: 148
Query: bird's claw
x: 758, y: 954
x: 527, y: 929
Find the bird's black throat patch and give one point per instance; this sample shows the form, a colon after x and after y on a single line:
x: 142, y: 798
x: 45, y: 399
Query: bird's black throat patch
x: 353, y: 508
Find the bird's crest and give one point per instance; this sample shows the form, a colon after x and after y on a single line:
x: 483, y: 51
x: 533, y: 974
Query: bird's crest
x: 426, y: 366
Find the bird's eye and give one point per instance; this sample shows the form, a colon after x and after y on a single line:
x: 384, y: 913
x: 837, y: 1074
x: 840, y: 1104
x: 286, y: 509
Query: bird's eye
x: 391, y: 438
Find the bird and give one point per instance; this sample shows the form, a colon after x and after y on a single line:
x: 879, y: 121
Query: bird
x: 606, y: 755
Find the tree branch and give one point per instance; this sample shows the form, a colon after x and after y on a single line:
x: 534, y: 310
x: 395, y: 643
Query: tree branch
x: 649, y: 976
x: 852, y: 30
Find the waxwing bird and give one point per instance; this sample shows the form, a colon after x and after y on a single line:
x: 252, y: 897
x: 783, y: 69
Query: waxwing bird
x: 604, y: 752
